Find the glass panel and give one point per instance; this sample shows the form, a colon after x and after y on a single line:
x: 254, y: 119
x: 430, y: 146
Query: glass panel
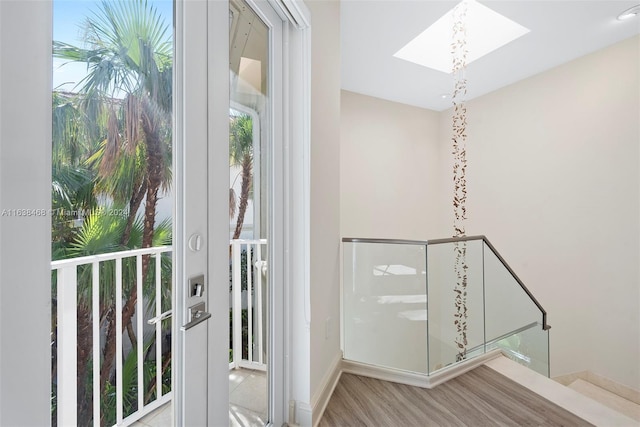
x: 529, y: 347
x: 249, y: 189
x: 111, y: 193
x: 508, y: 307
x: 385, y: 306
x: 442, y: 279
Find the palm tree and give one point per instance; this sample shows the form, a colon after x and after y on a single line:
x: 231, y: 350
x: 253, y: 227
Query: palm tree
x: 241, y: 154
x: 128, y: 90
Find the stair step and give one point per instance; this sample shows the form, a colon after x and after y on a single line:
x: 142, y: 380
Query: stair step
x: 577, y: 403
x: 611, y: 400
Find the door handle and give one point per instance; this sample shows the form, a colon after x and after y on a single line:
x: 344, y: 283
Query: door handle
x: 157, y: 319
x: 197, y: 315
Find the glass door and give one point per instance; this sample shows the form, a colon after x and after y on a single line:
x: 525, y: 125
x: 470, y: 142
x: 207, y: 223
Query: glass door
x: 147, y: 260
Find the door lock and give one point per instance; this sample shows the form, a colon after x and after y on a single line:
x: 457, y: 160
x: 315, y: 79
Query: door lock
x: 196, y: 286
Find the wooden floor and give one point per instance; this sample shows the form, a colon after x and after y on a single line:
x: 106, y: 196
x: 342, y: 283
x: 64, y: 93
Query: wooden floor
x: 481, y: 397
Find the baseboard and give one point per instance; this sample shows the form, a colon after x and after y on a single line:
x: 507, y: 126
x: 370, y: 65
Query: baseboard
x: 308, y: 415
x: 415, y: 379
x: 320, y: 399
x: 304, y: 415
x: 384, y: 374
x: 447, y: 374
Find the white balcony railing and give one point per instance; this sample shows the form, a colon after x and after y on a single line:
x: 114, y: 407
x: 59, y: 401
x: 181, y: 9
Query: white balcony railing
x: 248, y: 255
x: 245, y: 254
x: 67, y: 314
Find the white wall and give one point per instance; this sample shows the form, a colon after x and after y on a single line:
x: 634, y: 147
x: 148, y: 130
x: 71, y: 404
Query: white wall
x: 554, y: 183
x: 25, y: 183
x: 325, y: 190
x: 389, y: 169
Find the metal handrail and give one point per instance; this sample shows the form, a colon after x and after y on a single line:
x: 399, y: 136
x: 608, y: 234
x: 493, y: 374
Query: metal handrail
x: 545, y: 325
x: 388, y: 241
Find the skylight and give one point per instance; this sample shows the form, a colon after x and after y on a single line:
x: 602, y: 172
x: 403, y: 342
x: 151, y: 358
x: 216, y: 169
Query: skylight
x: 487, y: 31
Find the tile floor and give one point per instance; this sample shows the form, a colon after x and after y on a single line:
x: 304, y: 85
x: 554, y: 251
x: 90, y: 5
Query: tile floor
x: 247, y: 398
x: 161, y: 417
x: 247, y: 402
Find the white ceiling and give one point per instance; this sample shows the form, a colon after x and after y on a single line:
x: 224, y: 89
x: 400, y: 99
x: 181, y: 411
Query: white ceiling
x: 561, y: 30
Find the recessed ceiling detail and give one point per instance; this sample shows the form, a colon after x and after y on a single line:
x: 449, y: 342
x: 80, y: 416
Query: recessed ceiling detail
x: 487, y: 31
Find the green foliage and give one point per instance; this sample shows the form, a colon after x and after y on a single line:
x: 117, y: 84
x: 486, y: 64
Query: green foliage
x: 130, y: 384
x: 102, y: 230
x: 240, y: 139
x: 243, y: 270
x: 128, y: 53
x: 125, y: 174
x: 101, y: 233
x: 72, y: 181
x: 71, y: 130
x: 244, y: 318
x: 241, y: 155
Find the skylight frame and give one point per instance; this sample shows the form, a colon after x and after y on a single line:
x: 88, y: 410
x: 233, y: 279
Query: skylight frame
x: 487, y: 31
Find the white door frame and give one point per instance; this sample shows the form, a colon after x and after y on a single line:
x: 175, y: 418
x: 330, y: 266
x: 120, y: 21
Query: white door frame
x: 290, y: 228
x: 295, y: 319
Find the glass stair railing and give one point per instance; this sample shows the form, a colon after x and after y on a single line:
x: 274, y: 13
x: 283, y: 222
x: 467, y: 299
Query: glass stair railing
x: 399, y: 311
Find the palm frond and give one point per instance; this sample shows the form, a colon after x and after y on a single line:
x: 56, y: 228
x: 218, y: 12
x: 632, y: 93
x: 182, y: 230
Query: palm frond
x: 72, y: 186
x: 163, y: 233
x: 100, y: 233
x: 71, y: 131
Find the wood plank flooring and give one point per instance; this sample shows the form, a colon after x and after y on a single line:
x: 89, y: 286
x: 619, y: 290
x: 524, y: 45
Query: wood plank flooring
x: 481, y: 397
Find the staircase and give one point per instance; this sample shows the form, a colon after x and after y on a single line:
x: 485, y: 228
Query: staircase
x: 616, y: 396
x: 566, y: 396
x: 400, y: 325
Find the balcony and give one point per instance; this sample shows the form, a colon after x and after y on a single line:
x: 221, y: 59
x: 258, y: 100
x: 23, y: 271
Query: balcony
x: 92, y: 295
